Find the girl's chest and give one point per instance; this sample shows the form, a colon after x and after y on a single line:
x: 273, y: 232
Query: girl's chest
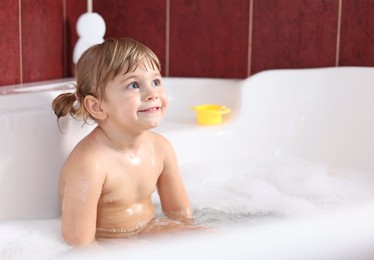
x: 132, y: 178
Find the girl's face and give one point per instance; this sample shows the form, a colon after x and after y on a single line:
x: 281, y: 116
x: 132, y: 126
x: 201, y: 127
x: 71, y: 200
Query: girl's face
x: 136, y: 100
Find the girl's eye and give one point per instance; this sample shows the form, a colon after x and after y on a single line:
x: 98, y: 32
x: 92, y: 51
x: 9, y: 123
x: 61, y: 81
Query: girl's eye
x: 156, y: 83
x: 133, y: 85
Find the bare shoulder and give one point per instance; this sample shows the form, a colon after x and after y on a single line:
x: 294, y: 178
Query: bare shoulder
x: 157, y: 136
x: 160, y: 142
x: 165, y: 149
x: 81, y: 172
x: 159, y: 139
x: 85, y: 159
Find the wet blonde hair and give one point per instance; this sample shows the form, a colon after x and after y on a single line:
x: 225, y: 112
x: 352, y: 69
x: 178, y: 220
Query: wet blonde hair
x: 97, y: 66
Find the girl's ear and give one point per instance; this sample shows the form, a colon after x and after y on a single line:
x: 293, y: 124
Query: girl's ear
x: 92, y: 105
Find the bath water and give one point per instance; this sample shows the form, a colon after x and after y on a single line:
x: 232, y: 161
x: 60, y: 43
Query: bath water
x: 223, y: 193
x: 236, y: 191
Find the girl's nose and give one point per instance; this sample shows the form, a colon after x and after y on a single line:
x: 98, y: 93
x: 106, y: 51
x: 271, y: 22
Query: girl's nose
x: 151, y: 93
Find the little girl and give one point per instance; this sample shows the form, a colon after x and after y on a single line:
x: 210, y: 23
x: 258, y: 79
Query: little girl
x: 107, y: 181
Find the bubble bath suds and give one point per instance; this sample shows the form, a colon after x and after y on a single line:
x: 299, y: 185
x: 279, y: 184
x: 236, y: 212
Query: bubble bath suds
x: 224, y: 193
x: 240, y: 191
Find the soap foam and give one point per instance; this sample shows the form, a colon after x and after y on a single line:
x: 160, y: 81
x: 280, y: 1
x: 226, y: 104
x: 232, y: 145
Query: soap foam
x: 31, y: 239
x: 244, y: 187
x: 223, y: 193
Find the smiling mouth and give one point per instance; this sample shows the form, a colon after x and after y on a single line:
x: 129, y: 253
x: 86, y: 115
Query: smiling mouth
x: 150, y: 110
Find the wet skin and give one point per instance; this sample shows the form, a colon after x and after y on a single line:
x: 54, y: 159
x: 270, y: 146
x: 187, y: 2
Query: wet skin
x: 107, y: 181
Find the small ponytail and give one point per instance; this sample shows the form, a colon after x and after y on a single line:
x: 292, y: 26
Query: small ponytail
x: 63, y: 104
x: 70, y: 103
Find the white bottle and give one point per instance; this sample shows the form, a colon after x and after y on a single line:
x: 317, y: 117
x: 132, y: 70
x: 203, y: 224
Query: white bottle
x: 91, y: 30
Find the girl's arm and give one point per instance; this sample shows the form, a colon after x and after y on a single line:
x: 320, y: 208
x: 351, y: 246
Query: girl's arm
x: 82, y: 189
x: 173, y: 196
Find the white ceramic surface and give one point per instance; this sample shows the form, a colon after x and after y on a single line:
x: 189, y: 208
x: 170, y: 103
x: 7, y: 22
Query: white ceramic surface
x: 319, y: 115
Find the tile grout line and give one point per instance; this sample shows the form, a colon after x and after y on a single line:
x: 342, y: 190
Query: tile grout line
x: 167, y: 39
x: 64, y: 35
x: 250, y: 30
x: 20, y: 40
x: 337, y: 54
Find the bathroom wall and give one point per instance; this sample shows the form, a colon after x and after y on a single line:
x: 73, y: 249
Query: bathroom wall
x: 193, y: 38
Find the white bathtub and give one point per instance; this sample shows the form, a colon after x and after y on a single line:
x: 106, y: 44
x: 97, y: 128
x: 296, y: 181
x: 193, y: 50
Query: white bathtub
x: 315, y: 116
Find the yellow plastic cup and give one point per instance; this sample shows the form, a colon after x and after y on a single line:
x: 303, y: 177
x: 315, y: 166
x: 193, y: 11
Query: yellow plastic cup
x: 210, y: 114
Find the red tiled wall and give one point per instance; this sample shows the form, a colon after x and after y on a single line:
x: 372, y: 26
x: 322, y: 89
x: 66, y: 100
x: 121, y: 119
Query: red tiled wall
x: 357, y: 33
x: 209, y: 38
x: 9, y: 43
x: 193, y: 38
x: 294, y: 34
x: 42, y: 40
x: 143, y: 20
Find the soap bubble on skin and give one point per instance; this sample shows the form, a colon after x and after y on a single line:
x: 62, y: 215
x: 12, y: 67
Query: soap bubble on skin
x: 84, y: 187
